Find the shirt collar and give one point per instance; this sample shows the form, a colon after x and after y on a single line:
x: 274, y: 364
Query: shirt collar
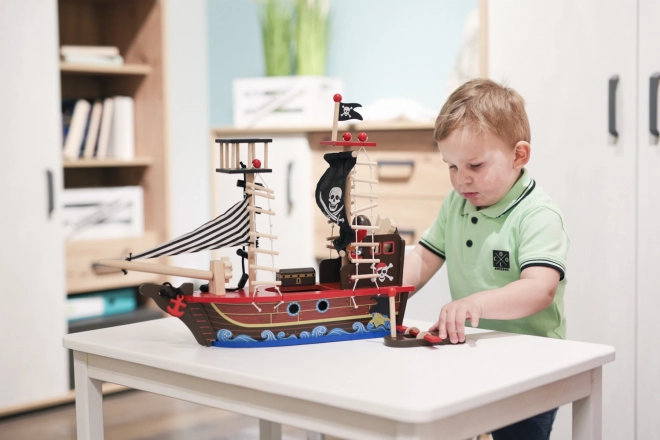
x: 523, y: 186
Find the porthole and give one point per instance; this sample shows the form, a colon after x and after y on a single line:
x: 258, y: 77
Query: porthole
x: 322, y: 305
x: 293, y: 309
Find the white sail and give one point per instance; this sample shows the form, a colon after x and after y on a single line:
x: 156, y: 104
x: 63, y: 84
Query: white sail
x: 229, y: 229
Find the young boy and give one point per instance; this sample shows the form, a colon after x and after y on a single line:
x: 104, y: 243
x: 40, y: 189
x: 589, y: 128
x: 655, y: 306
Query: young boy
x: 502, y: 237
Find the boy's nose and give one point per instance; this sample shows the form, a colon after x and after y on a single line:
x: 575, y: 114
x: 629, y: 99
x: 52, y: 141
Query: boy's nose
x: 463, y: 177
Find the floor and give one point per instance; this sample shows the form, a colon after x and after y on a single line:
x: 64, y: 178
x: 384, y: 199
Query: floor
x: 133, y: 415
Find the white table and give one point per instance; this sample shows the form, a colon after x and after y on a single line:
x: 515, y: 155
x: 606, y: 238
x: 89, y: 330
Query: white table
x: 353, y: 390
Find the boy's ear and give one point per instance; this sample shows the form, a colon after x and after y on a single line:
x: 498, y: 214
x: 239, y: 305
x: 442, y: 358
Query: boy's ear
x: 521, y: 153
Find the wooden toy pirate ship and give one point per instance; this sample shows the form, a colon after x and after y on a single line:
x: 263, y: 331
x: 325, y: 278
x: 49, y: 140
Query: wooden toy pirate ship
x: 358, y: 293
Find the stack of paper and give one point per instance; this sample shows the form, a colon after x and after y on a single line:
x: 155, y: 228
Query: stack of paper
x: 100, y: 55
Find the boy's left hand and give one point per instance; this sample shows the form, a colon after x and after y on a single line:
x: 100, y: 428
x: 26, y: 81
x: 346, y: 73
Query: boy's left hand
x: 453, y: 316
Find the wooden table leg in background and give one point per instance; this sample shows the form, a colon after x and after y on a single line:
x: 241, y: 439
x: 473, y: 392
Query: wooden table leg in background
x: 269, y: 430
x: 89, y: 401
x: 588, y: 412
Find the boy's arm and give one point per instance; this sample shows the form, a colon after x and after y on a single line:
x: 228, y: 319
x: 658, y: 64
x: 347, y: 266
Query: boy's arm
x: 533, y: 292
x: 419, y: 266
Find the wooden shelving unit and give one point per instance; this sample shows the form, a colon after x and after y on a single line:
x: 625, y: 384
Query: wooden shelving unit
x: 126, y: 69
x: 136, y: 27
x: 107, y: 163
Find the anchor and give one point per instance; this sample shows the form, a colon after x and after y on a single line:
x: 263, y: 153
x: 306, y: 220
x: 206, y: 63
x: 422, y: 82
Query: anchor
x: 175, y: 308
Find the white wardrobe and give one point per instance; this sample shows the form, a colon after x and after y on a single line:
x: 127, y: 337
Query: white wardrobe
x: 32, y: 321
x: 584, y: 69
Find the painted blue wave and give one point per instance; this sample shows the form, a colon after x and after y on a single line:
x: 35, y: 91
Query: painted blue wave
x: 317, y: 332
x: 227, y: 336
x: 268, y: 335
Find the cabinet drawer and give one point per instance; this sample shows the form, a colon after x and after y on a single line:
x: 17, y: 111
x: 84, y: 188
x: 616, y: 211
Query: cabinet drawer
x: 83, y: 276
x: 413, y: 174
x: 412, y: 217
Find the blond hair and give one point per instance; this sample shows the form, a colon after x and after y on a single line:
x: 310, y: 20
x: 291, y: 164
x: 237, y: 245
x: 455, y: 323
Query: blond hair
x: 483, y: 105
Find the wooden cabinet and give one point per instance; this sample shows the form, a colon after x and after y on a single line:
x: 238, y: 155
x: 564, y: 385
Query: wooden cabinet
x: 39, y: 268
x: 136, y: 27
x: 648, y: 230
x: 412, y: 179
x: 32, y: 321
x: 583, y: 69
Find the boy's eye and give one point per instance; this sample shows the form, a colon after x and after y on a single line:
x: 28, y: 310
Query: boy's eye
x: 474, y: 166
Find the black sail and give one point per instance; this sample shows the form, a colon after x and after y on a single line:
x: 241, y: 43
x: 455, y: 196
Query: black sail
x: 330, y: 195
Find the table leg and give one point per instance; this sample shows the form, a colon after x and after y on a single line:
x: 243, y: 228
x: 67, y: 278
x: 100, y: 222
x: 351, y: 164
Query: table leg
x: 269, y: 430
x: 89, y: 401
x: 587, y: 412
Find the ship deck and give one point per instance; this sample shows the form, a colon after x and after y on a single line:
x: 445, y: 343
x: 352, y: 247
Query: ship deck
x: 293, y: 293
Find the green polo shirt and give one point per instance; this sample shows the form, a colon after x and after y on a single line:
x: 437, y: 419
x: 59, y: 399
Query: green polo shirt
x: 488, y: 248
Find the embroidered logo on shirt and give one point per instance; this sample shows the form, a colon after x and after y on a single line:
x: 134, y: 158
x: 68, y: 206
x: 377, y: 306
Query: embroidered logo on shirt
x: 501, y: 260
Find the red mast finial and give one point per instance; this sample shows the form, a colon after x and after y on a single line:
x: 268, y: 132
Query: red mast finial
x: 337, y: 97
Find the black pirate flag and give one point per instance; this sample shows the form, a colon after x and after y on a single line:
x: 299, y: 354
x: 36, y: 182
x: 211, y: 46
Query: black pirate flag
x: 347, y: 111
x: 330, y: 194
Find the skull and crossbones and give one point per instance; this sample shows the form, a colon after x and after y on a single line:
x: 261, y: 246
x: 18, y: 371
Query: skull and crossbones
x: 346, y: 110
x: 381, y: 269
x: 335, y: 198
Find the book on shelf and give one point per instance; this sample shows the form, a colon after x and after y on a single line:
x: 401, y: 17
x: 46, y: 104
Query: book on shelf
x: 96, y: 55
x: 101, y: 151
x: 121, y: 144
x: 102, y: 303
x: 108, y: 51
x: 75, y: 131
x: 93, y: 130
x: 102, y: 130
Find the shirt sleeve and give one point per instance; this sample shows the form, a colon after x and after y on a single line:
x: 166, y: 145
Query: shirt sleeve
x: 543, y: 241
x: 433, y: 238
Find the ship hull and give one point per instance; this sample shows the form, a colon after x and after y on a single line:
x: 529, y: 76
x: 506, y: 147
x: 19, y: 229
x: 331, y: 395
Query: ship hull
x: 323, y: 314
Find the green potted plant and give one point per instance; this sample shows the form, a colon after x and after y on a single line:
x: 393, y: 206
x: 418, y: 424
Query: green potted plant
x: 311, y: 36
x: 275, y: 17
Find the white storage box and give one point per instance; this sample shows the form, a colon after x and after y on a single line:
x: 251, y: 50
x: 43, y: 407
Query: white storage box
x: 103, y: 213
x: 285, y: 101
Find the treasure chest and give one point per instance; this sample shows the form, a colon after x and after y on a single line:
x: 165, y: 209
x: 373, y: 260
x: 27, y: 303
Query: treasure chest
x: 298, y: 276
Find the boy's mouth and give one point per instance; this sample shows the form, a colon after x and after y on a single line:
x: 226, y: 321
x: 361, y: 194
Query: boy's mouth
x: 470, y: 195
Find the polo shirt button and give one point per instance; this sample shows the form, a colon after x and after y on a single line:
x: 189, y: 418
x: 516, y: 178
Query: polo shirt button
x: 469, y: 243
x: 474, y: 220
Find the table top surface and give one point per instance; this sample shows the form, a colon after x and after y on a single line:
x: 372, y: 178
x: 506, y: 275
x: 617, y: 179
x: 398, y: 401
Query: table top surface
x: 413, y: 385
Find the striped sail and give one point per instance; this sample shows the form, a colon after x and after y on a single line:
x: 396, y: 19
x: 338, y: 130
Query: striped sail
x: 229, y: 229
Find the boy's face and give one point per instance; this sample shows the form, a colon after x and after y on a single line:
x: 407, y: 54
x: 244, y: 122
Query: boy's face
x: 483, y: 168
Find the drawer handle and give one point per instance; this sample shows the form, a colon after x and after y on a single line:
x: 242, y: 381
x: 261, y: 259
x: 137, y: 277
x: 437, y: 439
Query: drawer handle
x: 410, y: 232
x: 395, y: 163
x: 611, y: 100
x: 653, y: 104
x: 100, y: 269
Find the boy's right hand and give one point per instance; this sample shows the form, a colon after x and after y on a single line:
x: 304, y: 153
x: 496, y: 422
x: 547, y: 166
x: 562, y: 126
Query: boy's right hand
x: 453, y: 316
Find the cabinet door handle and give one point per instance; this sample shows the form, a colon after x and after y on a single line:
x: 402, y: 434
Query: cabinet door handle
x: 611, y: 123
x: 51, y: 195
x: 410, y: 232
x: 409, y: 164
x: 653, y: 104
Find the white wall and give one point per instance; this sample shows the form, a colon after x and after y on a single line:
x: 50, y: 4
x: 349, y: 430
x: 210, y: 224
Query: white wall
x: 188, y: 121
